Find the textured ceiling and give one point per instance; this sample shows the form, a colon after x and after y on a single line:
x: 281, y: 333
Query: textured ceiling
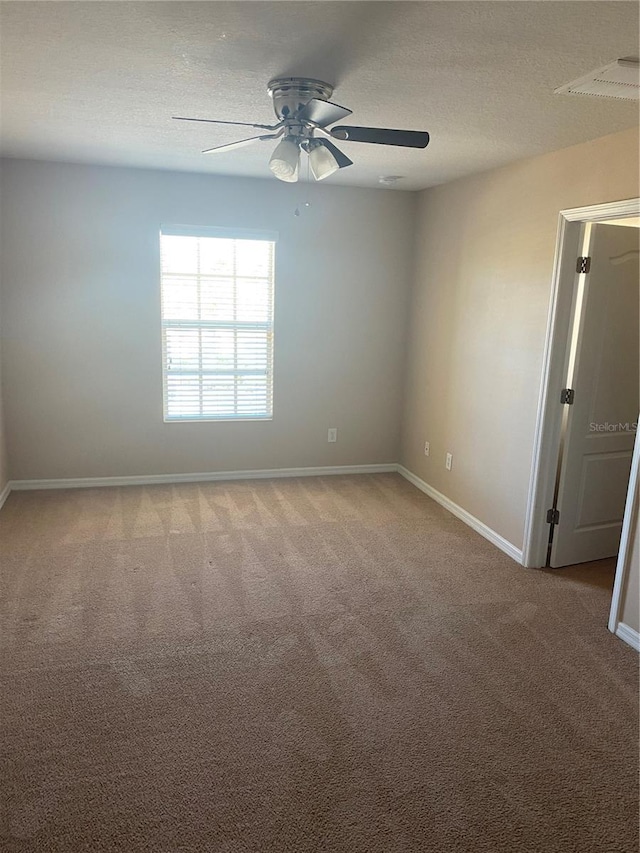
x: 98, y: 81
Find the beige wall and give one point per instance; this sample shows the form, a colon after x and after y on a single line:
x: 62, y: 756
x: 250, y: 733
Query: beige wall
x: 485, y: 248
x: 631, y: 592
x: 81, y: 321
x: 4, y: 460
x: 630, y: 606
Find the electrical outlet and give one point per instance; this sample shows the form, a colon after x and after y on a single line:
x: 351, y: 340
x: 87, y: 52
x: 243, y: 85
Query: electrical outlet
x: 332, y: 434
x: 448, y: 461
x: 426, y: 448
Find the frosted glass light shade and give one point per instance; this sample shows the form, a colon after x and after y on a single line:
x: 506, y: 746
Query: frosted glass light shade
x: 322, y: 162
x: 284, y: 161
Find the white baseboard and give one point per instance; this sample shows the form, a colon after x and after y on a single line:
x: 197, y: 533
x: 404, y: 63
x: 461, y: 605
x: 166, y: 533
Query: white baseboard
x: 628, y: 635
x: 202, y: 477
x: 265, y: 473
x: 4, y: 494
x: 473, y: 522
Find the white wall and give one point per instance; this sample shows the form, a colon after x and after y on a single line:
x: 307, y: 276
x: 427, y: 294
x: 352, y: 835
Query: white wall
x: 81, y: 341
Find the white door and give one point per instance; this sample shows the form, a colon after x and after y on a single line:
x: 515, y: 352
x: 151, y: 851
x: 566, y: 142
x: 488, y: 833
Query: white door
x: 599, y: 434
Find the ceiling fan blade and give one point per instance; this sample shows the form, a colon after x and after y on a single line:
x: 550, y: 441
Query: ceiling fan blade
x: 341, y: 159
x: 322, y: 112
x: 382, y: 136
x: 240, y: 143
x: 239, y: 123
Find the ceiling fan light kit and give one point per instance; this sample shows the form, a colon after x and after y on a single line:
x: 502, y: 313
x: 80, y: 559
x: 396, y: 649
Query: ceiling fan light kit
x: 321, y: 161
x: 285, y: 160
x: 304, y: 114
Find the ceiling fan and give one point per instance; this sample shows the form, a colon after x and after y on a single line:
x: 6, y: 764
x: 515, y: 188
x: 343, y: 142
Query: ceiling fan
x: 304, y: 113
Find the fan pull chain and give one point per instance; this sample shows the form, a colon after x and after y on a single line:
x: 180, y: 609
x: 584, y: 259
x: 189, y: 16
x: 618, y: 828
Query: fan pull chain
x: 306, y: 203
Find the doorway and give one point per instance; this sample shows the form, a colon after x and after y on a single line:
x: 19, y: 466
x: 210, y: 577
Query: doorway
x: 582, y: 456
x: 602, y: 399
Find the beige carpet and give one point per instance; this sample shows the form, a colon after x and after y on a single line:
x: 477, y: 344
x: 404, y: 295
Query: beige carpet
x: 329, y: 664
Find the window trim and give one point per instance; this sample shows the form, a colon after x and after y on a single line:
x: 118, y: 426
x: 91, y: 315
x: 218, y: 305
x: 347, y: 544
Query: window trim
x: 226, y: 234
x: 216, y: 231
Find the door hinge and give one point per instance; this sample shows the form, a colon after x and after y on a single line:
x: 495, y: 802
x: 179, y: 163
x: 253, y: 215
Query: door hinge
x: 583, y: 264
x: 553, y: 516
x: 567, y: 395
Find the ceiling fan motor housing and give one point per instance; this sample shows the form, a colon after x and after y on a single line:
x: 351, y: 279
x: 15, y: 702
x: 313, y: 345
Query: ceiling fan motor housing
x: 290, y: 94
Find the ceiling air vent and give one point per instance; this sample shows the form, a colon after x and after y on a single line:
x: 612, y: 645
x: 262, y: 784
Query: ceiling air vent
x: 619, y: 79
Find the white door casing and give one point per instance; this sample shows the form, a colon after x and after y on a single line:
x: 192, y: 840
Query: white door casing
x: 553, y: 374
x: 600, y: 425
x: 628, y: 558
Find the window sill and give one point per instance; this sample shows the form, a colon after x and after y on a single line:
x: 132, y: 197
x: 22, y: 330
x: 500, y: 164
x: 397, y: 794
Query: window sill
x: 215, y: 420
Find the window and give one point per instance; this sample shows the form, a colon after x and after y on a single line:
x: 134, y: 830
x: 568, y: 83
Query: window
x: 217, y: 324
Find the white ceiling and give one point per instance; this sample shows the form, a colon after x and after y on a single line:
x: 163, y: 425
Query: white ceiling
x: 98, y: 81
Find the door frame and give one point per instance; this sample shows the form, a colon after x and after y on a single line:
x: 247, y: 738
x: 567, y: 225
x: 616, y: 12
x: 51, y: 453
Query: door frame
x: 631, y: 509
x: 546, y: 446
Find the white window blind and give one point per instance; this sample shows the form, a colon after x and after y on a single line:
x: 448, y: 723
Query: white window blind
x: 217, y: 326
